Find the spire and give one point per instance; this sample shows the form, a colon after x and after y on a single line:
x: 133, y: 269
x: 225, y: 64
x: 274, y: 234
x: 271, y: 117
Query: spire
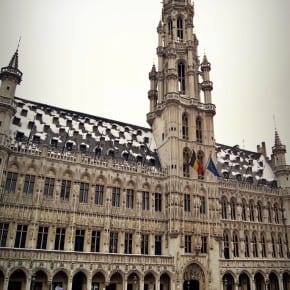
x: 12, y: 71
x: 205, y: 64
x: 277, y: 139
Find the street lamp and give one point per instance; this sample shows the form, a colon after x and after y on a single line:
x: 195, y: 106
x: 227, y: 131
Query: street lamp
x: 135, y: 282
x: 226, y: 283
x: 188, y: 284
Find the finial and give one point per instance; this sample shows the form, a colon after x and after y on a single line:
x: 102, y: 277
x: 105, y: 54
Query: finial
x: 18, y: 44
x: 274, y: 122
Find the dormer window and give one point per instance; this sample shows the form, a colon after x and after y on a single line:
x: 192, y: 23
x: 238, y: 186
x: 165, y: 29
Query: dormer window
x: 16, y: 121
x: 54, y: 143
x: 69, y: 146
x: 111, y: 153
x: 19, y: 136
x: 83, y: 148
x: 36, y: 139
x: 98, y: 151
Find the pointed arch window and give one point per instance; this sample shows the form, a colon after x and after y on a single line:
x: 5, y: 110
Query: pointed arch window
x: 185, y: 126
x: 181, y: 77
x: 247, y: 245
x: 276, y: 213
x: 170, y: 28
x: 260, y: 212
x: 244, y: 210
x: 252, y: 211
x: 269, y: 213
x: 273, y: 246
x: 255, y: 246
x: 263, y: 246
x: 224, y: 204
x: 236, y: 244
x: 280, y: 245
x: 233, y: 208
x: 186, y: 159
x: 226, y: 246
x: 199, y: 130
x: 180, y: 28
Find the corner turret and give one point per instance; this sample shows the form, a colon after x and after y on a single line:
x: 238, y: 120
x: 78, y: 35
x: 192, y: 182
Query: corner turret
x: 278, y: 160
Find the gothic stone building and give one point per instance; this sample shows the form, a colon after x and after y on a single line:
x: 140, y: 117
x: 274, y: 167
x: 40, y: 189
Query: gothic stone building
x: 91, y: 203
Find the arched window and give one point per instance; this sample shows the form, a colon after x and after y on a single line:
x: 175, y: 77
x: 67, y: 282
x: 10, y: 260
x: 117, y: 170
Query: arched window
x: 244, y: 210
x: 233, y: 208
x: 269, y: 213
x: 186, y: 161
x: 236, y: 244
x: 260, y: 211
x: 198, y: 130
x: 181, y: 77
x: 280, y: 245
x: 180, y: 28
x: 185, y: 126
x: 247, y: 245
x: 276, y: 213
x: 252, y: 211
x: 170, y: 28
x: 273, y: 245
x: 224, y: 204
x: 263, y: 245
x: 226, y: 246
x: 255, y: 246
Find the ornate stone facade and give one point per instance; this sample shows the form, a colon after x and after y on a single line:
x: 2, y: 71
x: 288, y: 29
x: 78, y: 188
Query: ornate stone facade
x: 92, y: 203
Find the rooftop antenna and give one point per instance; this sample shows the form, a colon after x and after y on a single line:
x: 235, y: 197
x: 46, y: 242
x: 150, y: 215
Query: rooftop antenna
x: 243, y: 143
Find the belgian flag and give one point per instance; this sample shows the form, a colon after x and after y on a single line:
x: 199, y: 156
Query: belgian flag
x: 195, y: 163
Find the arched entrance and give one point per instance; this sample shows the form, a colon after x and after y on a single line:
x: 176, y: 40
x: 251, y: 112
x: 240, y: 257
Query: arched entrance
x: 286, y: 281
x: 273, y: 282
x: 133, y: 282
x: 193, y: 278
x: 164, y: 282
x: 98, y: 281
x: 79, y: 281
x: 116, y: 282
x: 228, y: 282
x: 259, y: 281
x: 39, y: 281
x: 149, y: 281
x: 59, y: 281
x: 17, y: 280
x: 244, y: 282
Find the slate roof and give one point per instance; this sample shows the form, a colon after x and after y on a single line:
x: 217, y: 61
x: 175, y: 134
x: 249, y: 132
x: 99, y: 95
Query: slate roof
x: 68, y: 131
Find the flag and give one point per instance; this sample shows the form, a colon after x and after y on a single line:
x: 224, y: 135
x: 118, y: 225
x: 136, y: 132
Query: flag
x: 212, y: 168
x: 195, y: 163
x: 192, y: 159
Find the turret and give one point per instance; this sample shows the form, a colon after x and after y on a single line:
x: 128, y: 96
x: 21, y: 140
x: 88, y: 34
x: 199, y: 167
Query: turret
x: 152, y: 94
x: 10, y: 76
x: 206, y: 85
x: 278, y: 160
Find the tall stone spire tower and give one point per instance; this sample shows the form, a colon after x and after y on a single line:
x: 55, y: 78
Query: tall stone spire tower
x: 181, y: 109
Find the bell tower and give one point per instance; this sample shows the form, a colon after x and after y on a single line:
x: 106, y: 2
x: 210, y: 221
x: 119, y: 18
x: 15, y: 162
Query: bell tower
x: 181, y: 110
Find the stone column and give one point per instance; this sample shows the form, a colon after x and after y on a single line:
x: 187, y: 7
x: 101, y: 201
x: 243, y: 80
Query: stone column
x: 89, y: 283
x: 5, y: 283
x: 28, y: 283
x: 69, y: 283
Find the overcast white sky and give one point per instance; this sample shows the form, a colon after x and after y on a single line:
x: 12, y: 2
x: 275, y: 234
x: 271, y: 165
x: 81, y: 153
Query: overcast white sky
x: 93, y: 56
